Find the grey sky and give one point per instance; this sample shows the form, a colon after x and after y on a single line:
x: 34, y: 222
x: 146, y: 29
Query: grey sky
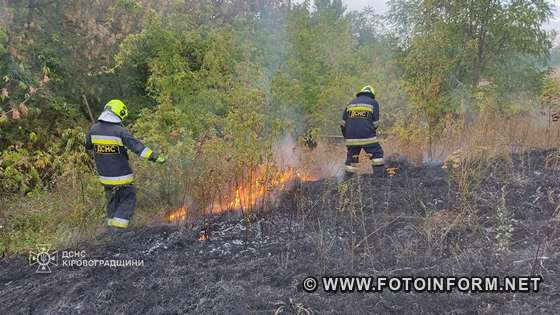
x: 380, y: 6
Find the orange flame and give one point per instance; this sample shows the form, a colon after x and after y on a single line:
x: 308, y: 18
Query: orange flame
x: 248, y: 195
x: 177, y: 214
x: 203, y: 236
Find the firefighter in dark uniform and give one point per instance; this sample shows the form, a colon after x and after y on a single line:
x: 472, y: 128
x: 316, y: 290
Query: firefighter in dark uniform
x: 110, y: 141
x: 359, y: 128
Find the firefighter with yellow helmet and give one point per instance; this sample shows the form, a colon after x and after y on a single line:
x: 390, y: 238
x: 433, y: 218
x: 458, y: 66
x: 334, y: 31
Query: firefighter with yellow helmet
x: 110, y: 141
x: 359, y: 123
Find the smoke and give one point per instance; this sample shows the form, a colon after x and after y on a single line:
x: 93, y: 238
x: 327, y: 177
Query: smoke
x: 286, y: 153
x: 323, y: 161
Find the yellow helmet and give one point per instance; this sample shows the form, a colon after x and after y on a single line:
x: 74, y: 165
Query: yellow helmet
x: 368, y: 89
x: 118, y: 108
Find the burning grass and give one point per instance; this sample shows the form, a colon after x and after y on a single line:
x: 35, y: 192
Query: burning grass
x: 260, y: 188
x: 411, y: 224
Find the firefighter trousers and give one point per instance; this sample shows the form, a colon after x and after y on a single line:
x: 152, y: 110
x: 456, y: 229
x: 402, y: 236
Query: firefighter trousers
x: 121, y: 202
x: 375, y: 153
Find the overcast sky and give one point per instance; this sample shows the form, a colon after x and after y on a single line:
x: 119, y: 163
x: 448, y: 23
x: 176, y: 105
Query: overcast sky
x: 380, y: 7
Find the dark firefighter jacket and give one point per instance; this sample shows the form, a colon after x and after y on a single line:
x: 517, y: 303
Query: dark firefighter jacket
x: 360, y: 121
x: 109, y: 142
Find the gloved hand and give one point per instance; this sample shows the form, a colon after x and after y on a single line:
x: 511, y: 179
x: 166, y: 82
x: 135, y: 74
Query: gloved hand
x: 160, y: 159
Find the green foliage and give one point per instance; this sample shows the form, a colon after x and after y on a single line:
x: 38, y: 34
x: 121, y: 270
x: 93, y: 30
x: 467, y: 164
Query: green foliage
x: 21, y: 170
x: 456, y: 52
x: 187, y: 63
x: 60, y: 217
x: 3, y: 41
x: 326, y: 65
x: 27, y: 169
x: 483, y: 36
x: 551, y: 93
x: 190, y: 70
x: 427, y: 66
x: 212, y: 86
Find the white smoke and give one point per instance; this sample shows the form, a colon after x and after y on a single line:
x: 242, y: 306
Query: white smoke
x: 286, y: 153
x: 324, y: 161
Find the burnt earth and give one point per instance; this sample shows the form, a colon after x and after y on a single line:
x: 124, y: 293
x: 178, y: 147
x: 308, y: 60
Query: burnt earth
x: 424, y: 221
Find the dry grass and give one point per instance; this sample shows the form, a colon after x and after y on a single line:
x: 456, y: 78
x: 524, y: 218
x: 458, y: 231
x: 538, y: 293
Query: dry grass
x: 62, y: 217
x: 493, y: 133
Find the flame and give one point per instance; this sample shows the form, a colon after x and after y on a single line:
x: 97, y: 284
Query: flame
x: 203, y: 236
x: 249, y: 194
x: 177, y: 214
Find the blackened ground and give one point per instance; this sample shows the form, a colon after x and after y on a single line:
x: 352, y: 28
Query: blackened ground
x: 424, y: 221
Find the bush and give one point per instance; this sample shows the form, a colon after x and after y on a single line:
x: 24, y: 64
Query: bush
x: 31, y: 169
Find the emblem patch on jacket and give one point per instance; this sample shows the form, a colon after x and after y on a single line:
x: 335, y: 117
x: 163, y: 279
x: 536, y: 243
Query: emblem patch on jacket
x: 106, y: 148
x: 358, y: 114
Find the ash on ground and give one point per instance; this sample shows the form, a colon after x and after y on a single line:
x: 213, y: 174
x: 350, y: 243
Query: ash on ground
x: 499, y: 218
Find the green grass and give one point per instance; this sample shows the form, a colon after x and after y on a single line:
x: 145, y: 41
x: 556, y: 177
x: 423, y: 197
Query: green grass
x: 59, y: 217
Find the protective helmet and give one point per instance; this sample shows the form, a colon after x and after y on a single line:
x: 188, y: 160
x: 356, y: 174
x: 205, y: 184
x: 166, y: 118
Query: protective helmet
x: 367, y: 90
x: 118, y: 108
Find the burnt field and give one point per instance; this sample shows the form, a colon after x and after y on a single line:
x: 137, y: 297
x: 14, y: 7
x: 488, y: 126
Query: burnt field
x: 487, y: 217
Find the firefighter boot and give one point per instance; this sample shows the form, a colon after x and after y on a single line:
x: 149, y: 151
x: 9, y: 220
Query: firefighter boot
x: 379, y: 171
x: 347, y: 175
x: 349, y: 171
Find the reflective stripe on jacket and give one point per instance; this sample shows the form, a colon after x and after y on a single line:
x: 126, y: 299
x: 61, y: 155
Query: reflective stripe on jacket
x: 360, y: 121
x: 110, y: 143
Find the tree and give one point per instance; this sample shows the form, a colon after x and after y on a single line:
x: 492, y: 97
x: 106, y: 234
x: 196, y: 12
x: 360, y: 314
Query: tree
x: 427, y: 67
x: 483, y: 32
x: 450, y: 47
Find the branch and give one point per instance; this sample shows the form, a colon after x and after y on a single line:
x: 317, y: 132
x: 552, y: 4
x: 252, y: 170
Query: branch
x: 88, y: 108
